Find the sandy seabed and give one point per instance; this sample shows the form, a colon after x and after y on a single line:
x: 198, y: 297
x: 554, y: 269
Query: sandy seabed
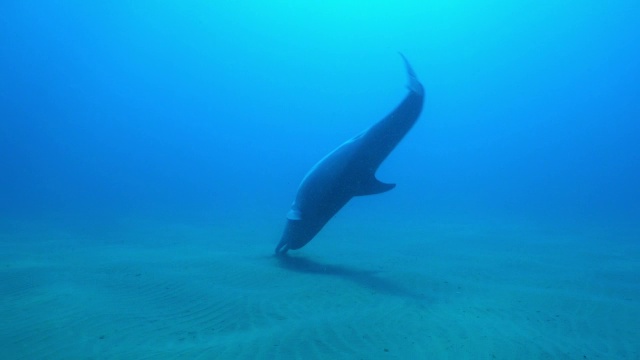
x: 438, y: 291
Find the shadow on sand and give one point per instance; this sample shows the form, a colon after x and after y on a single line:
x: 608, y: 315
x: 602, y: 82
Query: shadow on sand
x: 365, y: 278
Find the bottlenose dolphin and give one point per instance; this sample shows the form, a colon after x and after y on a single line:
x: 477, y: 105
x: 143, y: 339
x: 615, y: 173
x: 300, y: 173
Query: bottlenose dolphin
x: 349, y: 170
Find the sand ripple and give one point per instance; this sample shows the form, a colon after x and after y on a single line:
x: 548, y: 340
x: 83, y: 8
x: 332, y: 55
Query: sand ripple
x: 191, y: 301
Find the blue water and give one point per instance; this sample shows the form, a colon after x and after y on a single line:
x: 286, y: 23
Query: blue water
x: 195, y: 109
x: 198, y: 109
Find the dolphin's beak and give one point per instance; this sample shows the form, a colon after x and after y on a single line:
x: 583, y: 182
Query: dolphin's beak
x: 288, y: 237
x: 283, y: 246
x: 296, y: 234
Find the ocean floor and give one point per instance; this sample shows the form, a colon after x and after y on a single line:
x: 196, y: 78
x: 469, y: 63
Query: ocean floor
x: 437, y: 291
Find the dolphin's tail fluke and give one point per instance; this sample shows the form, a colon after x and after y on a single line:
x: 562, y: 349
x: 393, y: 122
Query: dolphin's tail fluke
x: 414, y: 84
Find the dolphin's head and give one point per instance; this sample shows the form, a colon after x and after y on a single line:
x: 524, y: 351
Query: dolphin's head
x: 297, y: 234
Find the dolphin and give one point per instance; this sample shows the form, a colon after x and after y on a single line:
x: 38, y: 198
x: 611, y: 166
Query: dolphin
x: 349, y: 170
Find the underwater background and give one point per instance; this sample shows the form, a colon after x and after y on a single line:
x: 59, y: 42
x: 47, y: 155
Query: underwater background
x: 149, y: 152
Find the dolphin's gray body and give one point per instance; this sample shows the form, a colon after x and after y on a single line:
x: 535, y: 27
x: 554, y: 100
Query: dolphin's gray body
x: 349, y: 171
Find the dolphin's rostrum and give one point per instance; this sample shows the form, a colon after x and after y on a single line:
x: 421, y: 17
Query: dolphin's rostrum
x: 349, y: 171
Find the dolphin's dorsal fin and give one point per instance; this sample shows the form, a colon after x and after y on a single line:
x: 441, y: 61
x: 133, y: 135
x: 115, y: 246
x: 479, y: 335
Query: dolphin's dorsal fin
x: 373, y: 186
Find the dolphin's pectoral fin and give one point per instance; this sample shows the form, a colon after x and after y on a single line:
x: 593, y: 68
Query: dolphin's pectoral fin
x: 373, y: 186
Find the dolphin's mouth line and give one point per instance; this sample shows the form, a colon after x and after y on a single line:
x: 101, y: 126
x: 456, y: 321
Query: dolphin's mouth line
x: 282, y: 247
